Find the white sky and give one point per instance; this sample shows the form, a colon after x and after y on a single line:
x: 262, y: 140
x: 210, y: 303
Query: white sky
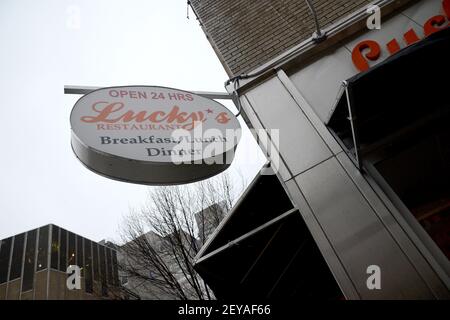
x: 133, y: 42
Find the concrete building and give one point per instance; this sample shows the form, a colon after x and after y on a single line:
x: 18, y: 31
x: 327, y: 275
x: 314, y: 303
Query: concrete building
x: 33, y: 266
x: 363, y: 146
x: 208, y: 219
x: 145, y: 289
x: 139, y: 272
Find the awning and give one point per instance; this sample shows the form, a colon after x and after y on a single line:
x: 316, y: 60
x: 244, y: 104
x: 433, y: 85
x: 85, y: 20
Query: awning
x: 263, y: 249
x: 399, y: 95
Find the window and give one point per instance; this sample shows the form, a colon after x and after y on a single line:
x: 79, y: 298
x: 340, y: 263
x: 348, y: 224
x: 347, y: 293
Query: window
x: 30, y: 257
x: 103, y: 270
x: 109, y: 266
x: 88, y: 265
x: 96, y: 262
x: 71, y: 253
x: 5, y: 252
x: 115, y: 268
x: 418, y: 173
x: 16, y: 262
x: 42, y: 249
x: 63, y: 251
x: 80, y: 254
x: 55, y: 248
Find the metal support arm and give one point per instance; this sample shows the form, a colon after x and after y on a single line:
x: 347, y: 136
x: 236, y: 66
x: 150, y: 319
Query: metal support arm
x: 85, y: 89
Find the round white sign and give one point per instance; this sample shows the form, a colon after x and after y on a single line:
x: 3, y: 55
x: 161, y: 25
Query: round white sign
x: 153, y: 135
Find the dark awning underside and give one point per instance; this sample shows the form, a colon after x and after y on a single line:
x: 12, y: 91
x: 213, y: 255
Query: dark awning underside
x: 400, y: 94
x: 263, y: 249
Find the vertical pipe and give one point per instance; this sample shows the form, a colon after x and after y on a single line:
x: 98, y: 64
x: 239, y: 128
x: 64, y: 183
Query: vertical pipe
x: 319, y: 36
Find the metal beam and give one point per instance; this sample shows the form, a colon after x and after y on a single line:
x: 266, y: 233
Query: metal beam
x: 86, y: 89
x: 199, y: 259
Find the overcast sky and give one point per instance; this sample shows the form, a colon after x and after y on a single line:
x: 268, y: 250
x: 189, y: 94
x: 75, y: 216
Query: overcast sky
x: 49, y: 44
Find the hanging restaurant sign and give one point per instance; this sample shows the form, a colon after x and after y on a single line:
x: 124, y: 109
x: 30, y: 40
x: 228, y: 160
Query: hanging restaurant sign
x: 153, y: 135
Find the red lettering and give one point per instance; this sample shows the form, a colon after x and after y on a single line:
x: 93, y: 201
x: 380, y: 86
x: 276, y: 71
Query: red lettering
x: 175, y: 115
x: 359, y: 59
x: 433, y: 25
x: 103, y: 113
x: 130, y: 116
x: 393, y: 46
x: 411, y: 37
x: 222, y: 118
x: 154, y: 116
x: 446, y: 7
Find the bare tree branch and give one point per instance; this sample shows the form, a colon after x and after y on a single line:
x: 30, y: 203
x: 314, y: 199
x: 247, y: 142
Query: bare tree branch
x: 162, y: 240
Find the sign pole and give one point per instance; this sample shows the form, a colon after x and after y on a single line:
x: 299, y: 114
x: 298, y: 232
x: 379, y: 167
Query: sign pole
x: 68, y: 89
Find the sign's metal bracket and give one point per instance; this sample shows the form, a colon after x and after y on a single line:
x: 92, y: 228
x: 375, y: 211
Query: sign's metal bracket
x: 68, y: 89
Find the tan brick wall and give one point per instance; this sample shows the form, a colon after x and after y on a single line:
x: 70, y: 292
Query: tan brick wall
x: 3, y: 291
x: 13, y: 292
x: 27, y: 295
x: 56, y: 286
x: 248, y: 33
x: 58, y: 289
x: 40, y: 290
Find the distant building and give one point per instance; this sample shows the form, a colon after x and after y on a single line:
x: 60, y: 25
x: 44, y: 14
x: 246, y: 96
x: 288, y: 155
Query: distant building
x: 208, y: 219
x: 144, y: 285
x: 144, y: 289
x: 33, y: 266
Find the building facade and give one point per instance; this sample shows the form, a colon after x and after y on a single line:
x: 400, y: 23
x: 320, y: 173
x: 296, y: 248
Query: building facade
x: 364, y: 141
x: 142, y: 285
x: 140, y: 277
x: 208, y: 219
x: 33, y: 266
